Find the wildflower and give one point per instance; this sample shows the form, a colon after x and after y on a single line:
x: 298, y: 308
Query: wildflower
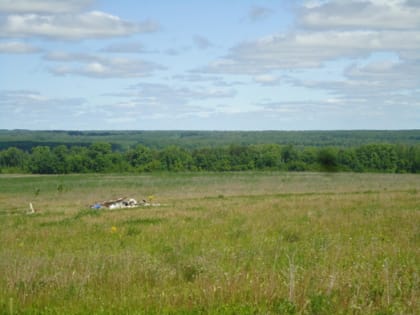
x: 114, y: 229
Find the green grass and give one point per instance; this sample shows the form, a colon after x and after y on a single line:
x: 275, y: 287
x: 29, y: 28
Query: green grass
x: 231, y: 243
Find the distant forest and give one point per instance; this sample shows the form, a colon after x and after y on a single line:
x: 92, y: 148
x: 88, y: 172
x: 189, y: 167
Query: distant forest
x: 61, y: 152
x: 123, y: 140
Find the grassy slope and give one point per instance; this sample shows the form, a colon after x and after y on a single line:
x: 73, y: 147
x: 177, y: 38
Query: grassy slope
x: 221, y: 243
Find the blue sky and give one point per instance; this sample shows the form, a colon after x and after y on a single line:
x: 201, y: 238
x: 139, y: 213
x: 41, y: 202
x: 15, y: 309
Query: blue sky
x: 210, y: 65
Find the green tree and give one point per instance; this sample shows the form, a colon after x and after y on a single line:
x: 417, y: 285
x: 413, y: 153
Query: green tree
x: 174, y: 158
x: 291, y: 157
x: 13, y: 158
x: 100, y: 157
x: 204, y: 159
x: 43, y: 161
x: 78, y: 160
x: 267, y: 156
x: 140, y: 158
x: 212, y: 159
x: 414, y: 159
x: 61, y: 153
x: 347, y: 160
x: 309, y: 156
x: 377, y: 157
x: 241, y: 158
x: 327, y: 158
x: 289, y: 154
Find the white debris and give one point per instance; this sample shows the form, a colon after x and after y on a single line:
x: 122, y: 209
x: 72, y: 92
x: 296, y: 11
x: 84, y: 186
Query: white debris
x: 122, y: 203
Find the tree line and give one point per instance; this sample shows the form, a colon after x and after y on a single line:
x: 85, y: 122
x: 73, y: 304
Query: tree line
x: 100, y: 157
x: 195, y: 139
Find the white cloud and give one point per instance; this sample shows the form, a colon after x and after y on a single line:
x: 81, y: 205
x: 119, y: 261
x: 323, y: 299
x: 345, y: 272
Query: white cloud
x: 94, y: 24
x: 31, y: 109
x: 180, y: 95
x: 69, y: 57
x: 311, y: 4
x: 96, y: 68
x: 194, y: 77
x: 266, y: 79
x: 361, y: 14
x: 201, y: 42
x: 166, y: 102
x: 100, y: 67
x: 126, y: 48
x: 147, y: 101
x: 259, y: 13
x: 312, y: 49
x: 386, y: 92
x: 387, y: 76
x: 413, y: 3
x: 342, y: 113
x: 43, y: 6
x: 332, y: 33
x: 17, y: 48
x: 345, y: 41
x: 331, y: 30
x: 34, y: 110
x: 380, y: 80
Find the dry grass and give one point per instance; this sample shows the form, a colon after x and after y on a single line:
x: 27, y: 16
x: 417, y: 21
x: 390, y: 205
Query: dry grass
x: 242, y: 243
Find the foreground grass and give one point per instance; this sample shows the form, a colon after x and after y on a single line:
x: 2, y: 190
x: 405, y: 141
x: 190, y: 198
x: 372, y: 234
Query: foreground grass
x: 242, y: 243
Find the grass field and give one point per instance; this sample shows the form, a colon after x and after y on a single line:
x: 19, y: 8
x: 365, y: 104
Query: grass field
x: 230, y: 243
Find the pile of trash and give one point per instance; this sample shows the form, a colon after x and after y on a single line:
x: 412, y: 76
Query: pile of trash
x: 122, y: 203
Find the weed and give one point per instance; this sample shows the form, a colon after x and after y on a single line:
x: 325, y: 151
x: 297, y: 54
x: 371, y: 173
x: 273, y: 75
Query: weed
x: 285, y: 307
x: 87, y: 212
x: 190, y: 271
x: 290, y: 236
x: 320, y: 305
x: 143, y: 221
x: 60, y: 188
x: 274, y: 244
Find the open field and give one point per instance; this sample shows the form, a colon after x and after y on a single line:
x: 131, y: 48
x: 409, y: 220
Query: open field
x: 225, y: 243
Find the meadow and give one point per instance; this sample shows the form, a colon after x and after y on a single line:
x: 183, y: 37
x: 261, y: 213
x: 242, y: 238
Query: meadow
x: 219, y: 243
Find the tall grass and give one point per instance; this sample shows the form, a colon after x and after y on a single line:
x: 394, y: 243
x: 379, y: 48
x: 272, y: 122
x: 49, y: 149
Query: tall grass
x: 242, y: 243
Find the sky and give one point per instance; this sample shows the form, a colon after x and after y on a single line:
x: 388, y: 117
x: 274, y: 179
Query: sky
x: 209, y: 65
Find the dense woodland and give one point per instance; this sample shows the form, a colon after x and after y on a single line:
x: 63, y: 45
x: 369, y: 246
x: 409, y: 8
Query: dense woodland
x: 124, y: 140
x: 101, y: 157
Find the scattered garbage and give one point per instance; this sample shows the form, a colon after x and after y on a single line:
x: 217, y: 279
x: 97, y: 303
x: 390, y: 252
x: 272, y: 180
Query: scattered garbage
x: 122, y: 203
